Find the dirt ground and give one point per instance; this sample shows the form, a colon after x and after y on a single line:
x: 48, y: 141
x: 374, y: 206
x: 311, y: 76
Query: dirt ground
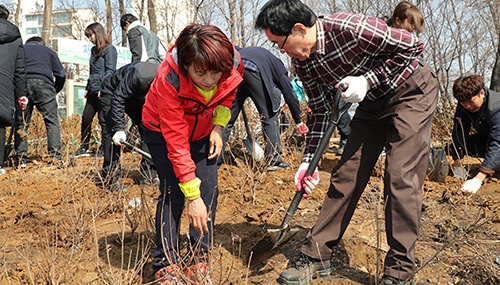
x: 58, y: 227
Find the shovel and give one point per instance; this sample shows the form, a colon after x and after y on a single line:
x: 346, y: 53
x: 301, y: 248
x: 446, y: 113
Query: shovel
x: 274, y: 238
x: 252, y: 145
x: 140, y: 151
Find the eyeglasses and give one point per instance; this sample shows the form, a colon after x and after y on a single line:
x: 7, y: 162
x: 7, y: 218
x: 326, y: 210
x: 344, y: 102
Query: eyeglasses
x: 281, y: 48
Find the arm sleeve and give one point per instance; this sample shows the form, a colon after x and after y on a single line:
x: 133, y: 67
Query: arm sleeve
x: 291, y: 100
x: 20, y: 74
x: 492, y: 157
x: 59, y: 73
x: 135, y: 43
x: 122, y: 93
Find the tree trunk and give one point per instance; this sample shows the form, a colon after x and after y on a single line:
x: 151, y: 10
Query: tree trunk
x: 47, y: 19
x: 152, y: 16
x: 109, y: 19
x: 121, y: 6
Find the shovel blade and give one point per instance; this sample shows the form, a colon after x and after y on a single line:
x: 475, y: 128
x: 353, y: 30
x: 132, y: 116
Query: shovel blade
x: 272, y: 240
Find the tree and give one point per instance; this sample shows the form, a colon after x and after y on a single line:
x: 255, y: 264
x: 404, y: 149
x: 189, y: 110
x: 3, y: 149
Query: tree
x: 47, y: 20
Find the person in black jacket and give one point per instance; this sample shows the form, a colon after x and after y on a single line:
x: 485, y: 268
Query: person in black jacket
x: 12, y: 75
x: 102, y: 63
x: 42, y: 65
x: 476, y: 129
x: 264, y: 72
x: 124, y: 92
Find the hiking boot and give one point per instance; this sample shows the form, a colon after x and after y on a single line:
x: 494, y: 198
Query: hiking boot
x: 198, y: 273
x: 305, y: 270
x: 389, y: 280
x: 277, y: 165
x: 81, y: 152
x: 168, y: 275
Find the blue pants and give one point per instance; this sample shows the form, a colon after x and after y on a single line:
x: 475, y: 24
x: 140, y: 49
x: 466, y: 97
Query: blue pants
x: 171, y: 200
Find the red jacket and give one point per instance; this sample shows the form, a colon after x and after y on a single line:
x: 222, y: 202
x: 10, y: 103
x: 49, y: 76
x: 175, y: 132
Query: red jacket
x: 175, y: 108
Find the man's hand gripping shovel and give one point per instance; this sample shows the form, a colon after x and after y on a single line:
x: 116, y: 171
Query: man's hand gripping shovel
x: 274, y: 238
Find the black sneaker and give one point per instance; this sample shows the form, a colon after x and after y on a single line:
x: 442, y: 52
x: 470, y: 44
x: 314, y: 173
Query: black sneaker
x: 278, y: 165
x: 81, y: 152
x: 389, y: 280
x: 305, y: 269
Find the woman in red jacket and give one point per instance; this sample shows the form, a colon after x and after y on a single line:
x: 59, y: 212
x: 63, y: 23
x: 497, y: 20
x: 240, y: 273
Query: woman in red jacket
x: 186, y: 108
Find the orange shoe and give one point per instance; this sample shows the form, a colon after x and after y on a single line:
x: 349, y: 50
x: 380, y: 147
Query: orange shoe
x: 168, y: 275
x: 198, y: 273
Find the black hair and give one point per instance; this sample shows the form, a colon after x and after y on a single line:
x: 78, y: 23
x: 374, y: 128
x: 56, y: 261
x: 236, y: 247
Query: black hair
x: 279, y: 16
x: 127, y: 18
x: 36, y: 39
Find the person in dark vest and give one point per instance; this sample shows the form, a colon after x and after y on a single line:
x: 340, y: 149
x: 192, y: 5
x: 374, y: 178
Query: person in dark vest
x: 143, y: 43
x: 476, y: 129
x: 45, y: 77
x: 12, y: 77
x: 124, y: 92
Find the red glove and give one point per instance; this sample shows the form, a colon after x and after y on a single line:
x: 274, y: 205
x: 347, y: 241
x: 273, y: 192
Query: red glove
x: 309, y: 182
x: 23, y: 102
x: 302, y: 128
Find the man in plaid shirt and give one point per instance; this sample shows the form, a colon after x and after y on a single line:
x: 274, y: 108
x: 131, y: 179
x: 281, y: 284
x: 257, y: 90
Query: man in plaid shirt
x: 397, y: 95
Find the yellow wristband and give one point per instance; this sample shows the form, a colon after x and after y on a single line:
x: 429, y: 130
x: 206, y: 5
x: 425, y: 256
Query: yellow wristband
x: 191, y: 189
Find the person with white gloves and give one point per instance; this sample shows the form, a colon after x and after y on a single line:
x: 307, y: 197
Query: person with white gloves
x: 123, y: 93
x: 476, y: 129
x: 397, y: 94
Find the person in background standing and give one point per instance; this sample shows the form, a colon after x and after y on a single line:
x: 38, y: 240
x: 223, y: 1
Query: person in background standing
x: 143, y: 43
x: 42, y: 66
x: 476, y: 129
x: 397, y: 94
x: 102, y: 63
x: 12, y: 77
x: 264, y: 72
x: 186, y: 108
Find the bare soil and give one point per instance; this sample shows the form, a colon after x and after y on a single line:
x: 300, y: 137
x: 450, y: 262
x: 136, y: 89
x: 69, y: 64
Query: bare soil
x: 58, y: 227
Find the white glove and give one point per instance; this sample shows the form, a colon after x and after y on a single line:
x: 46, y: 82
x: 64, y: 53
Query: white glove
x: 472, y: 185
x: 23, y: 102
x: 459, y: 172
x: 302, y: 128
x: 119, y: 137
x: 357, y: 87
x: 309, y: 182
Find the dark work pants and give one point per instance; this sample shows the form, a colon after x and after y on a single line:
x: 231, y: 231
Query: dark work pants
x: 42, y: 95
x: 402, y: 122
x: 92, y: 107
x: 253, y: 87
x: 2, y: 145
x: 171, y: 200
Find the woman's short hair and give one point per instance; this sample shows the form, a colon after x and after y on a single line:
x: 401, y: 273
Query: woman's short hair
x: 466, y: 87
x: 205, y: 46
x: 406, y: 10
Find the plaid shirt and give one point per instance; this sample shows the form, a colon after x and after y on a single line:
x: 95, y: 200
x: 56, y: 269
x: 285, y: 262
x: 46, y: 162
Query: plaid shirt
x: 353, y: 45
